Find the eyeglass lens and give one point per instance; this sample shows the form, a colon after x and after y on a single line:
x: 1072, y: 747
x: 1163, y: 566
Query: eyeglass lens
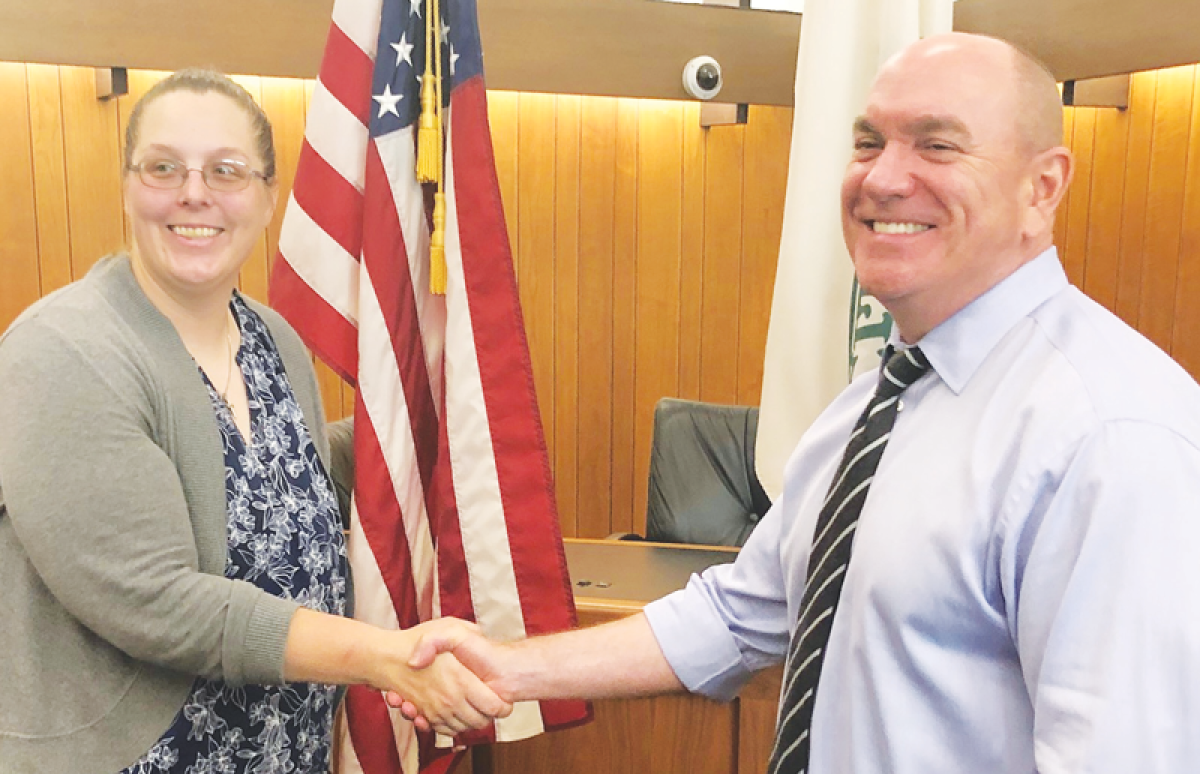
x: 223, y: 175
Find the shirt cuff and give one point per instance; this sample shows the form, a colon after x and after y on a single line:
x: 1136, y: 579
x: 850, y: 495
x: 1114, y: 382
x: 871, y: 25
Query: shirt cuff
x: 697, y: 644
x: 256, y: 640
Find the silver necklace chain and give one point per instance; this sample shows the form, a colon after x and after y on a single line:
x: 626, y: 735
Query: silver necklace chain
x: 231, y: 362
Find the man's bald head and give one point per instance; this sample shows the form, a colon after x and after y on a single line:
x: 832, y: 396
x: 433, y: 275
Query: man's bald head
x: 1041, y: 121
x: 1002, y: 69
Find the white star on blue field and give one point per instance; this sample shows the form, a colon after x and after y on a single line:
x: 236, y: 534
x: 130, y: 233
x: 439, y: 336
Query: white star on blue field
x: 400, y: 61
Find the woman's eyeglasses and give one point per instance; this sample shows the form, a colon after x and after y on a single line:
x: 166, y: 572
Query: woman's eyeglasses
x: 225, y: 176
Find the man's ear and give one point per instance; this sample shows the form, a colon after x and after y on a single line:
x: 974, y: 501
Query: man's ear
x: 1049, y: 175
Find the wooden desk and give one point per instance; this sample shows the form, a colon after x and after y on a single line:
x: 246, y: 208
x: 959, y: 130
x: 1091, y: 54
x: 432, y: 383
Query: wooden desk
x: 672, y: 734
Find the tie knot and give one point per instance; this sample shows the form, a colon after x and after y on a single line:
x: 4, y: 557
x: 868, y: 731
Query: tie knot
x: 902, y: 368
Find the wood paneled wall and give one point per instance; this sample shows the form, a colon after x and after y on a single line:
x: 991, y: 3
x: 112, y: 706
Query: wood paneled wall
x: 1129, y: 230
x: 645, y: 245
x: 646, y: 251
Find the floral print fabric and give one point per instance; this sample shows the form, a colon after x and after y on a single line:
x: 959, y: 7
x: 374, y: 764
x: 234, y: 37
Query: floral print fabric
x: 284, y: 537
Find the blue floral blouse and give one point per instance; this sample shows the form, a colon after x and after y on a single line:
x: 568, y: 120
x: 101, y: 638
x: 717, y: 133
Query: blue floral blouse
x: 284, y: 537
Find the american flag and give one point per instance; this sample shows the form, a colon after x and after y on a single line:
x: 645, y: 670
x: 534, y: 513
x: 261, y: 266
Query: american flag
x: 453, y: 503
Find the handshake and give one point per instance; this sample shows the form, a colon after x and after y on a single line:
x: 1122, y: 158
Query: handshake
x: 452, y: 680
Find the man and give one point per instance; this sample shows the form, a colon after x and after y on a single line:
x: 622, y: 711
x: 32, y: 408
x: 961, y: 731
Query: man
x: 1021, y: 591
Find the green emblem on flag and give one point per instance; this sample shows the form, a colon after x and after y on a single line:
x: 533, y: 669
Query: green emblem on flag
x: 870, y: 326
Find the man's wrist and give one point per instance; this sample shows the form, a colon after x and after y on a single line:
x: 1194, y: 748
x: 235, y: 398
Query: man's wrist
x: 520, y: 671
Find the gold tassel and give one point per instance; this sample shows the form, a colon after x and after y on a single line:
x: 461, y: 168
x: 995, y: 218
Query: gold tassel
x: 429, y: 135
x: 437, y: 246
x: 433, y: 78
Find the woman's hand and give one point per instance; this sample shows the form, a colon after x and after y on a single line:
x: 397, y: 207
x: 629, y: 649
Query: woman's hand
x: 465, y: 642
x: 451, y: 697
x: 330, y: 649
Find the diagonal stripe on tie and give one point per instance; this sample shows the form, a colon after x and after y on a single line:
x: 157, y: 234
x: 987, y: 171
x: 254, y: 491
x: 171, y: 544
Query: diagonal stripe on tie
x: 830, y: 555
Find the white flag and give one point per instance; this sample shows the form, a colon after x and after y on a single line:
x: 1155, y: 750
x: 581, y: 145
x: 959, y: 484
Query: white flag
x: 823, y: 330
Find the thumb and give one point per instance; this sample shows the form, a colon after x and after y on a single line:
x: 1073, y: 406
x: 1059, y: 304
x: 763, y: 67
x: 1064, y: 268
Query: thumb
x: 430, y: 644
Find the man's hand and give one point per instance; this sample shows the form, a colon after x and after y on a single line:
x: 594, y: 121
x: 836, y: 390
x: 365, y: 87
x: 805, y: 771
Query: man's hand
x: 447, y: 696
x: 451, y: 638
x: 617, y: 659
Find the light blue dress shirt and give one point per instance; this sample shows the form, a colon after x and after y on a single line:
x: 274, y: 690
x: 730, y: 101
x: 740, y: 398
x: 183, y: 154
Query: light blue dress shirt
x: 1024, y: 593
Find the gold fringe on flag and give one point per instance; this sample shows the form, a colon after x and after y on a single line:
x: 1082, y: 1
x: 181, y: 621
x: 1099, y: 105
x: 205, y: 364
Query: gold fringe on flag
x: 429, y: 133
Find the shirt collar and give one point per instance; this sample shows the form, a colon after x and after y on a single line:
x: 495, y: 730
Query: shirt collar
x: 958, y: 346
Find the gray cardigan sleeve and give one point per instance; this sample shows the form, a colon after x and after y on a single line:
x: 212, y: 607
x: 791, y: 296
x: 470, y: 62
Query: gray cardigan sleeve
x: 100, y: 508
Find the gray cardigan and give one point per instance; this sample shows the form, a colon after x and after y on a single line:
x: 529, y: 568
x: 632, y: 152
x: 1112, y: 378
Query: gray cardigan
x: 113, y: 529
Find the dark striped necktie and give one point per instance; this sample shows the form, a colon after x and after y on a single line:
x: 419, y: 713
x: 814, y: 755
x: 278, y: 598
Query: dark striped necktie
x: 832, y: 541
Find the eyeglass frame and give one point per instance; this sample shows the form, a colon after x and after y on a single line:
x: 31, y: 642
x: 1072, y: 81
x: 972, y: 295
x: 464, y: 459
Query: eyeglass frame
x: 187, y: 173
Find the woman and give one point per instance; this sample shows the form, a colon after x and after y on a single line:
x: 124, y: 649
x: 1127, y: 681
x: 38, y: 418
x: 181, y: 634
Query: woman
x: 172, y: 569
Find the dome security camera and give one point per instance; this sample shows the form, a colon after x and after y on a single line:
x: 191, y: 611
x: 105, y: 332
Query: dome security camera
x: 702, y: 77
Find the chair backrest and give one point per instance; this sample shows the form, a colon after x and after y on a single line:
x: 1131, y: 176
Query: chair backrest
x: 702, y: 487
x: 341, y: 463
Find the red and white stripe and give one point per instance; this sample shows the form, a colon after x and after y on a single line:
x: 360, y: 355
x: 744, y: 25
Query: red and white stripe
x: 453, y: 507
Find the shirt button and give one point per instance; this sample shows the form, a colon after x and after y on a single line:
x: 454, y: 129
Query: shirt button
x: 899, y: 405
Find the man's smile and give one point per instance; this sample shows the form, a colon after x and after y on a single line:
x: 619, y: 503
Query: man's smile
x: 896, y: 227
